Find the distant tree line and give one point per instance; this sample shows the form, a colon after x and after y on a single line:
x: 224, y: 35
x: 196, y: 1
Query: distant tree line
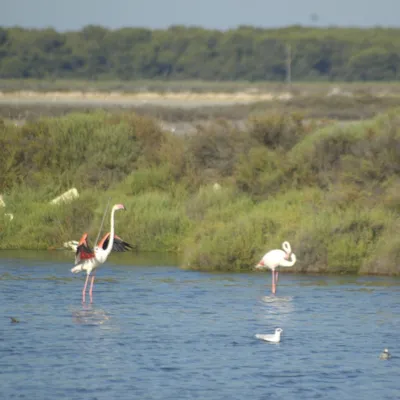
x: 245, y: 53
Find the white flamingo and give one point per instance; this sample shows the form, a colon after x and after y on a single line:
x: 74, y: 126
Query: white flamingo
x: 88, y: 260
x: 277, y: 258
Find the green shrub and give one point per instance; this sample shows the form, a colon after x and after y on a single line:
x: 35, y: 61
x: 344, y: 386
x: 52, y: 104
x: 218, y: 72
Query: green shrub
x: 384, y: 260
x: 260, y: 171
x: 236, y: 241
x: 230, y: 245
x: 222, y: 197
x: 156, y: 221
x: 277, y: 130
x: 337, y: 241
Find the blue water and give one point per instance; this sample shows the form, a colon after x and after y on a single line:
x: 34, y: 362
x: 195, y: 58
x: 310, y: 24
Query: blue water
x: 157, y: 332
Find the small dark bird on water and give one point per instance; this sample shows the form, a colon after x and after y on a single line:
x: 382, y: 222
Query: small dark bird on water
x: 14, y: 320
x: 385, y: 355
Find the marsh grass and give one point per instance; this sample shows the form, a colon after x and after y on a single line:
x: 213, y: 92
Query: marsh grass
x: 331, y: 191
x: 156, y: 222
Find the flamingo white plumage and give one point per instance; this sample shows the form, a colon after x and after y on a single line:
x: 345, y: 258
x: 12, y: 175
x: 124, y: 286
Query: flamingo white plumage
x: 88, y: 260
x: 274, y: 338
x: 277, y: 258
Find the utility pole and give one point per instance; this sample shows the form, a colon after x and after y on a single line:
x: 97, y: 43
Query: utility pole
x: 289, y: 66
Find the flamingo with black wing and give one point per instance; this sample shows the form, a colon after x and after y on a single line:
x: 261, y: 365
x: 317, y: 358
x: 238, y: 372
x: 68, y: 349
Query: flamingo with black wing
x: 87, y: 259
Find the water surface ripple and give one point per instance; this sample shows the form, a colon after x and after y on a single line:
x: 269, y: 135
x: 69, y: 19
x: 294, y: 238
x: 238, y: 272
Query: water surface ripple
x: 158, y: 332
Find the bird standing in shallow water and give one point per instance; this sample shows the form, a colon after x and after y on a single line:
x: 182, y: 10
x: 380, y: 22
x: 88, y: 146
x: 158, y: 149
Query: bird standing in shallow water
x: 277, y: 258
x: 88, y: 260
x: 385, y: 355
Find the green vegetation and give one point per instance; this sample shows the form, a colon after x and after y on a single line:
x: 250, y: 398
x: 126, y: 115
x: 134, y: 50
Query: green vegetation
x: 182, y: 53
x: 332, y: 191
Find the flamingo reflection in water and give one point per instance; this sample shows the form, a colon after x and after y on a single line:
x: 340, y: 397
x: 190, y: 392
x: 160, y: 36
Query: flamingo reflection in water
x: 90, y: 316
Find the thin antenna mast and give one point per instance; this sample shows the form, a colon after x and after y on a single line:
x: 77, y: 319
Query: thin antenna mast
x: 102, y: 222
x: 289, y: 65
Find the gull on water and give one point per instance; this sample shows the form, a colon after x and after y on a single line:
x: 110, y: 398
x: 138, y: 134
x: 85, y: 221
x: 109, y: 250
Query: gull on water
x: 385, y: 355
x: 275, y: 338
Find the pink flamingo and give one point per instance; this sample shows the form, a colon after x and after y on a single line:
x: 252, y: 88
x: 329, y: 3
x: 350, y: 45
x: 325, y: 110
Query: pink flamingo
x: 277, y: 258
x: 88, y: 260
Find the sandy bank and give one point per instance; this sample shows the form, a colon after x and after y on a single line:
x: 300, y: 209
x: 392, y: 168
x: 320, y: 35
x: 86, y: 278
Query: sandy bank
x: 119, y: 98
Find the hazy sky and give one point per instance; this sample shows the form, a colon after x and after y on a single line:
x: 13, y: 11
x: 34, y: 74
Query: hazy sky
x: 220, y: 14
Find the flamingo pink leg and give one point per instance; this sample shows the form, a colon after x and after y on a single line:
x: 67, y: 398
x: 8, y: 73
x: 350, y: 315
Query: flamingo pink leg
x: 91, y: 289
x: 84, y: 289
x: 273, y: 283
x: 276, y: 277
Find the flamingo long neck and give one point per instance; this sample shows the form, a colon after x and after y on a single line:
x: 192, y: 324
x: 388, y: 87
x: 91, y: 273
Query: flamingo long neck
x: 286, y: 263
x: 111, y: 239
x: 287, y: 248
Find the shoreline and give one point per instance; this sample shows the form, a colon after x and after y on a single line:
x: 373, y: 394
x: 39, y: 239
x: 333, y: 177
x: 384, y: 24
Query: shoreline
x: 181, y: 99
x: 64, y: 254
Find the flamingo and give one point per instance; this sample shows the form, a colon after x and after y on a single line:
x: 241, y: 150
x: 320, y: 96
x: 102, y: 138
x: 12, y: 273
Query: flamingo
x: 277, y: 258
x: 88, y: 260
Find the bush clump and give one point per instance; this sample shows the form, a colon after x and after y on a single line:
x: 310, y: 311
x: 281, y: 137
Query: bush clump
x: 221, y: 197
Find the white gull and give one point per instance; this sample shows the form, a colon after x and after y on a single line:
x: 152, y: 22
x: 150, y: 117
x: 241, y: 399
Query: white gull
x: 275, y: 338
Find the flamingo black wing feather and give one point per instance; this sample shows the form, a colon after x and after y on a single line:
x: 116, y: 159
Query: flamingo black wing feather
x: 83, y: 251
x: 119, y: 245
